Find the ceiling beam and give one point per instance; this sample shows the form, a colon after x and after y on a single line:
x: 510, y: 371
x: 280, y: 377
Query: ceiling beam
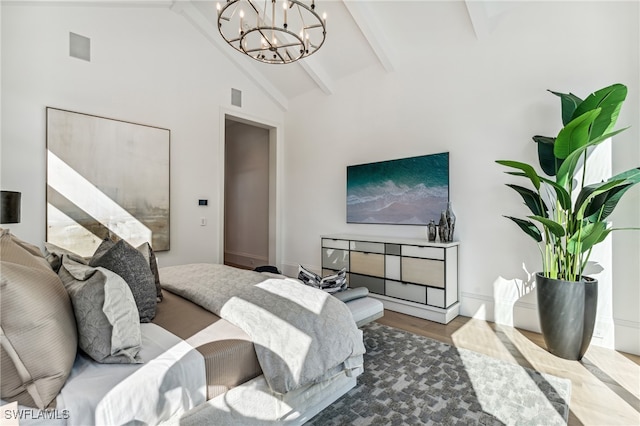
x: 485, y: 15
x: 204, y: 26
x: 479, y: 18
x: 312, y: 66
x: 362, y: 17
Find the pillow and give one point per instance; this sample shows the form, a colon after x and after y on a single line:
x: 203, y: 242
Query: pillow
x: 336, y: 282
x: 54, y: 254
x: 131, y: 265
x: 150, y: 257
x: 331, y: 283
x: 38, y: 329
x: 104, y: 247
x: 309, y: 278
x: 106, y: 313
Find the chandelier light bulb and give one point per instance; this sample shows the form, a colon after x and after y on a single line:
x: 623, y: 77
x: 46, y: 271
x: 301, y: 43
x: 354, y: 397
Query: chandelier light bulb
x: 285, y: 7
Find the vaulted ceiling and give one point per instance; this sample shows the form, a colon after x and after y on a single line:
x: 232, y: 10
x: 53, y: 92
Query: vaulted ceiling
x: 360, y: 34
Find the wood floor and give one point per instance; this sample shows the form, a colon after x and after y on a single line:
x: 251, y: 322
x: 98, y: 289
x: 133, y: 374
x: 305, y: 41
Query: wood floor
x: 605, y: 384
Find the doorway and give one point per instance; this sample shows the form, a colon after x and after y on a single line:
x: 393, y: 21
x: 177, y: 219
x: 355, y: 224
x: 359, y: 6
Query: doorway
x: 249, y: 194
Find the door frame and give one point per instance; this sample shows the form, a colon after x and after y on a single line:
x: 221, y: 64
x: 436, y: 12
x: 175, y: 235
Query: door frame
x: 275, y: 180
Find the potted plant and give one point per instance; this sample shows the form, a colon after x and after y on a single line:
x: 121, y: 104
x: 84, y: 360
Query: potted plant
x: 569, y: 216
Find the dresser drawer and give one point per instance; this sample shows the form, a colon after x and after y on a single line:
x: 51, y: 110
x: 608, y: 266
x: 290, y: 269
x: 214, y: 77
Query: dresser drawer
x: 335, y: 259
x: 392, y: 249
x: 392, y: 267
x: 367, y: 246
x: 423, y: 271
x: 367, y: 263
x: 337, y: 244
x: 375, y: 285
x: 423, y: 252
x: 412, y: 292
x: 435, y: 297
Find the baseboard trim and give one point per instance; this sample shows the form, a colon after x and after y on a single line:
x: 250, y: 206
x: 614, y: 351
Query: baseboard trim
x: 248, y: 260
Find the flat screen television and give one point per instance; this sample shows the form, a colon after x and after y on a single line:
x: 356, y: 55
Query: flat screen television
x: 406, y: 191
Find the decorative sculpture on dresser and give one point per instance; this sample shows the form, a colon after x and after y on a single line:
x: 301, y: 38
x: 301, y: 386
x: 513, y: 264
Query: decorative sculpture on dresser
x: 431, y: 231
x: 451, y: 221
x: 443, y: 227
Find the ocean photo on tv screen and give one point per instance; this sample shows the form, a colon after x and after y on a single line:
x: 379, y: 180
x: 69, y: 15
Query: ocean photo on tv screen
x: 407, y: 191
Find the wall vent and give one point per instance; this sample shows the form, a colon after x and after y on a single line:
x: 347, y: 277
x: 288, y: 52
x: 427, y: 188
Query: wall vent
x: 79, y: 47
x: 236, y: 97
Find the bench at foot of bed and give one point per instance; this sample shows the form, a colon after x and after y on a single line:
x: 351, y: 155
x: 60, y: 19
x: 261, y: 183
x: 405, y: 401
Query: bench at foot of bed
x: 363, y: 308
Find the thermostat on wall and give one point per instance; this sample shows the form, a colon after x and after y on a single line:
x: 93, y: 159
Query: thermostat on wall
x: 203, y: 202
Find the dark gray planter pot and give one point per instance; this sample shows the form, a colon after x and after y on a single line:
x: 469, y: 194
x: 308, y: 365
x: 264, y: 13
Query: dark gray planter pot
x: 567, y: 312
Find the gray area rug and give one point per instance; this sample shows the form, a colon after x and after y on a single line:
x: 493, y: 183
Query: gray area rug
x: 410, y: 379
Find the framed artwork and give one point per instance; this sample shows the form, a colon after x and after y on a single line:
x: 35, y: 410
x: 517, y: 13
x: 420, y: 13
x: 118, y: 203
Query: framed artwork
x: 106, y: 178
x: 407, y: 191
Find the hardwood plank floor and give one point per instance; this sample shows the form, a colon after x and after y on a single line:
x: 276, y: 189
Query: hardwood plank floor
x: 605, y: 384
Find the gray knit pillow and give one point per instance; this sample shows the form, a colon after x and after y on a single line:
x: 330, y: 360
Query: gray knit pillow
x: 131, y: 265
x: 106, y: 314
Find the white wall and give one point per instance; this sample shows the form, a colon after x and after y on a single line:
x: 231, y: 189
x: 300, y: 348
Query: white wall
x: 148, y: 65
x: 481, y: 100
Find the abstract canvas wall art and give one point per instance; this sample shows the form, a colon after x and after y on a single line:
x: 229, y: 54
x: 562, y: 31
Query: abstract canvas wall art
x: 106, y: 178
x: 407, y: 191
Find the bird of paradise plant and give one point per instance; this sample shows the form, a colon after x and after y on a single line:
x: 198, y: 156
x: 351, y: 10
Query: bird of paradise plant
x: 571, y: 225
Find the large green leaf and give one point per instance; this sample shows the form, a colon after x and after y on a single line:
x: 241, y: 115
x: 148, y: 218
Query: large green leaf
x: 554, y: 227
x: 609, y: 100
x: 569, y: 102
x: 526, y: 168
x: 567, y: 169
x: 575, y: 135
x: 583, y: 200
x: 564, y: 198
x: 529, y: 228
x: 548, y: 162
x: 603, y: 204
x: 531, y: 199
x: 587, y: 237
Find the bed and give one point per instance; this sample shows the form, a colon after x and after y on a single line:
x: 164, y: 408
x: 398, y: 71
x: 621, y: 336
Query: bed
x: 208, y: 355
x: 275, y: 349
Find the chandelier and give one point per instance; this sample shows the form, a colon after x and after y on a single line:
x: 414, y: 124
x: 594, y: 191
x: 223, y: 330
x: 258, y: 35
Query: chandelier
x: 275, y: 32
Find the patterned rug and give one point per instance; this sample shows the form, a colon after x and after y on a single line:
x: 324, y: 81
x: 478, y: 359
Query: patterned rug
x: 410, y: 379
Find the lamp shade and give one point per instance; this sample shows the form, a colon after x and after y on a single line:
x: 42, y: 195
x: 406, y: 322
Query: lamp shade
x: 10, y: 209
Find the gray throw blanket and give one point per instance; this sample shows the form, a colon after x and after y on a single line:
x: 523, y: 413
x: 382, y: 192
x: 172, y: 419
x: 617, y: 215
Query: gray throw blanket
x: 302, y: 335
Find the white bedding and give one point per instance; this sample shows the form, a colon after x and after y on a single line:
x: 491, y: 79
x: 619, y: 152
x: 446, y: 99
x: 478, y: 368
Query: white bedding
x: 169, y: 382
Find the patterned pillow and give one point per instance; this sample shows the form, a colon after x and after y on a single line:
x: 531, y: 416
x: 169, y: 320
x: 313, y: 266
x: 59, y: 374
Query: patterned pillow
x: 331, y: 283
x: 39, y: 337
x: 336, y: 282
x: 130, y: 264
x: 309, y: 278
x: 54, y: 254
x: 150, y: 256
x: 106, y: 313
